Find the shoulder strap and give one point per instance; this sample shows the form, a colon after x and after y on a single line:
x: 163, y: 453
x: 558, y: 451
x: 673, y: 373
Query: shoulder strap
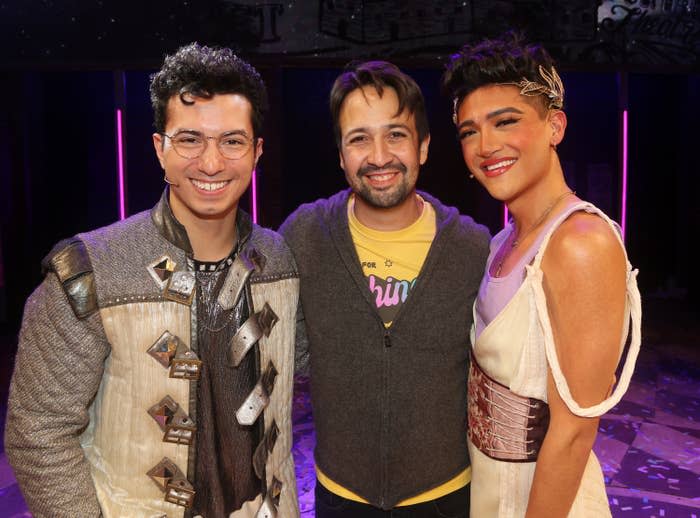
x: 588, y: 207
x: 633, y: 303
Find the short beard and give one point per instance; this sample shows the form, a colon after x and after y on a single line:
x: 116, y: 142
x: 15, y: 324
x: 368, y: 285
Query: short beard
x: 382, y: 199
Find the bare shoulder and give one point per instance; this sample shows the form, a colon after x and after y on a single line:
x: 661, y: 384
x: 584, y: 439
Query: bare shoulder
x: 586, y: 244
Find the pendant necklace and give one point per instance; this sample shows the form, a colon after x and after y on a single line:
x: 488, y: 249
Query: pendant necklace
x: 507, y: 249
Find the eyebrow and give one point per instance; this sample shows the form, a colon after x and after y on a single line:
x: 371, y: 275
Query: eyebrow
x: 224, y: 134
x: 385, y: 127
x: 491, y: 115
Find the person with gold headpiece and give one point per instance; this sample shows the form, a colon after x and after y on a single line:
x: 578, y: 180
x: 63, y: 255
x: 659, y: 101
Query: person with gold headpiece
x: 553, y: 310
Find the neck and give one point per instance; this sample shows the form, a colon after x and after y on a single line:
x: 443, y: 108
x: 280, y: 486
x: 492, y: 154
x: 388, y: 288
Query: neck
x: 390, y: 218
x: 528, y: 205
x: 211, y: 239
x: 541, y: 212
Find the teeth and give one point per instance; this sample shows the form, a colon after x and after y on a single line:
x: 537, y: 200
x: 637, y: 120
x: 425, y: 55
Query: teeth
x: 209, y: 186
x: 381, y: 177
x: 502, y: 163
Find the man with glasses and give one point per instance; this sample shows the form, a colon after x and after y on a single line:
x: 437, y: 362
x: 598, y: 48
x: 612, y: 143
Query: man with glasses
x: 154, y: 370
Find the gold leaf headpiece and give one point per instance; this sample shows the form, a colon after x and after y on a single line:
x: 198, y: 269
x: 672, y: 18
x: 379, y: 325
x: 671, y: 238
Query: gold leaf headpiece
x: 553, y: 89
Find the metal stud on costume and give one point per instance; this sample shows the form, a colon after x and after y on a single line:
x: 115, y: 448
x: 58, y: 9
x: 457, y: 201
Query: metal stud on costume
x: 171, y: 352
x: 177, y: 426
x: 161, y: 270
x: 171, y: 481
x: 180, y: 287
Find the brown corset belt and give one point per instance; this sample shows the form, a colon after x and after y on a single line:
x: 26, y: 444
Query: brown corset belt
x: 504, y: 425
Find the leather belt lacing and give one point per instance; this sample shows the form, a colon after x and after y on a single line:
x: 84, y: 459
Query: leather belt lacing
x: 504, y: 425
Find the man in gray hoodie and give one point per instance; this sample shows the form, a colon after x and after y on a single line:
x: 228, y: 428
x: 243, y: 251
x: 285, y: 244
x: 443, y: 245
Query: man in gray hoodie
x: 388, y: 277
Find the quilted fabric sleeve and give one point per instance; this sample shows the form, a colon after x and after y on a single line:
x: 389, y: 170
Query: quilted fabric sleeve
x: 58, y: 369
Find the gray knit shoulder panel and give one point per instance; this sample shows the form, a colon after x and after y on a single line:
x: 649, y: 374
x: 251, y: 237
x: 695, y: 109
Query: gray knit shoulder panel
x: 279, y: 262
x: 121, y: 253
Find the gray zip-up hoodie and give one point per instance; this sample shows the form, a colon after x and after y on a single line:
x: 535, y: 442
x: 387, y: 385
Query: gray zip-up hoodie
x: 389, y: 404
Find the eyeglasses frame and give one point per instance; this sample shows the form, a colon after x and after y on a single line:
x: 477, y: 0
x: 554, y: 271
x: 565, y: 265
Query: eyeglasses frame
x: 206, y: 142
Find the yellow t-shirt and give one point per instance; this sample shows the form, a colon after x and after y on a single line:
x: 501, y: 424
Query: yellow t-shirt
x: 391, y: 262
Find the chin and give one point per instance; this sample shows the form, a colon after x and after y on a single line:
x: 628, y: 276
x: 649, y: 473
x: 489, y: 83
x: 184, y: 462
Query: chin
x: 212, y: 213
x: 498, y: 194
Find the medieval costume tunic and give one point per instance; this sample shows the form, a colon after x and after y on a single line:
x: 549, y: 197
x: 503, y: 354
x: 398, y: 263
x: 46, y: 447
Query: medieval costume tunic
x: 508, y: 414
x: 151, y: 385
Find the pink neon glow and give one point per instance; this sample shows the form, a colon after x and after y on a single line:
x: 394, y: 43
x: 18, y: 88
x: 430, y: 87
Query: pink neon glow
x: 623, y: 217
x: 505, y: 215
x: 254, y: 189
x: 120, y: 166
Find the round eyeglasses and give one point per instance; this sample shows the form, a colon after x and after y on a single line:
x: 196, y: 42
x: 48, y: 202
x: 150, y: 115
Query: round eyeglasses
x: 192, y: 144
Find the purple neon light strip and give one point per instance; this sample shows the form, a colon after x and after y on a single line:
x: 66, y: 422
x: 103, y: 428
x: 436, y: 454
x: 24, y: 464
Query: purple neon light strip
x: 623, y: 217
x: 254, y: 188
x: 505, y: 215
x: 120, y: 166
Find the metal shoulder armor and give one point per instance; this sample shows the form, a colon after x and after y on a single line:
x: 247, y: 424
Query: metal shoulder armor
x: 70, y: 261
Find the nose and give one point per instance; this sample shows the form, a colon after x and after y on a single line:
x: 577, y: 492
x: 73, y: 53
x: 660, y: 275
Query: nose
x: 488, y: 143
x: 211, y: 162
x: 379, y: 154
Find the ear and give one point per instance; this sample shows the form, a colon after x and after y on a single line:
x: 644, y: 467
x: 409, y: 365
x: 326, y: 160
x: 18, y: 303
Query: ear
x: 557, y: 121
x: 342, y: 162
x: 423, y: 149
x: 258, y: 150
x: 158, y: 146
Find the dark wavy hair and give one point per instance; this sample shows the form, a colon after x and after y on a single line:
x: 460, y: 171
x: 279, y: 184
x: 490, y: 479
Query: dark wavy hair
x: 379, y: 75
x: 503, y: 60
x: 200, y: 71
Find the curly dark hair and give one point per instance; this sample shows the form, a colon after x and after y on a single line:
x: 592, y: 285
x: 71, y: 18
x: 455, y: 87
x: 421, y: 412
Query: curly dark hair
x: 201, y: 71
x: 379, y: 75
x: 491, y: 61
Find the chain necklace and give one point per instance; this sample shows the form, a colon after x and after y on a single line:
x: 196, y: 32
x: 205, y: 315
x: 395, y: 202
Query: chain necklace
x: 505, y: 250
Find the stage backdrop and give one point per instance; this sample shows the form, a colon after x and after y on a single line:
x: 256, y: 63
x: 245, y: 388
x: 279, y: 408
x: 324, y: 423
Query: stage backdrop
x: 631, y: 33
x: 68, y: 67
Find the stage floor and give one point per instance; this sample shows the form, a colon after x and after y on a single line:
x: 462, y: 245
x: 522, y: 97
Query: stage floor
x: 648, y: 445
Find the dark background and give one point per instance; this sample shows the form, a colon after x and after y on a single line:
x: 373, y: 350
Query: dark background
x: 65, y: 67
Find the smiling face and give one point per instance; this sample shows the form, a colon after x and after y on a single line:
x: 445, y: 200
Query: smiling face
x: 207, y: 188
x: 507, y: 141
x: 379, y: 150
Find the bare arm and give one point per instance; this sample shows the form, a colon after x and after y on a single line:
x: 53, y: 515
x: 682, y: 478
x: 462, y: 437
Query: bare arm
x: 584, y: 282
x: 58, y: 370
